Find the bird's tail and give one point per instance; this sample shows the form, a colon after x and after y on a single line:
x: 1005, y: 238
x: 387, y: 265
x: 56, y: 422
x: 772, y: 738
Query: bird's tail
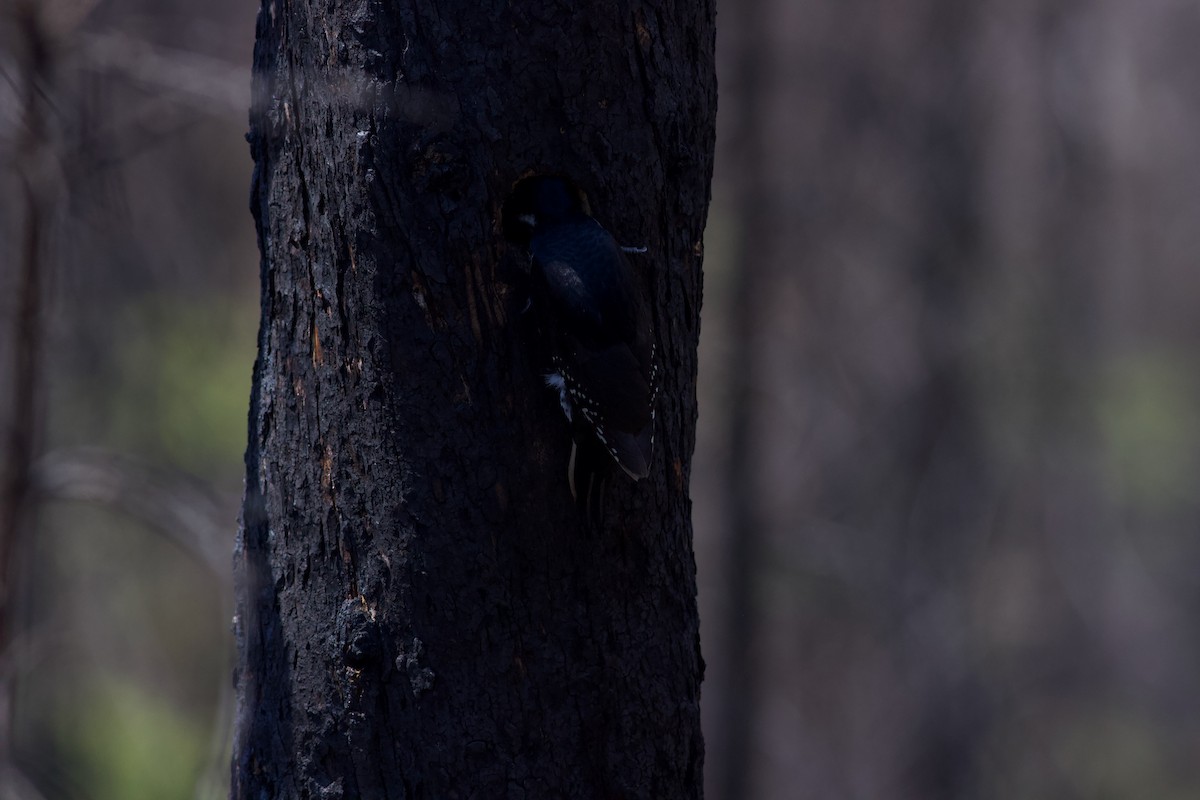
x: 592, y: 465
x: 588, y: 472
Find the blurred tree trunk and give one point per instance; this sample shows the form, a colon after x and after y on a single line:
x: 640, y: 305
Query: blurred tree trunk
x: 420, y: 612
x: 858, y: 189
x: 22, y: 407
x: 942, y: 482
x: 758, y: 232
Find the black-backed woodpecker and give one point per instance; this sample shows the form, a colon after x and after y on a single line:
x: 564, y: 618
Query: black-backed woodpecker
x: 595, y: 327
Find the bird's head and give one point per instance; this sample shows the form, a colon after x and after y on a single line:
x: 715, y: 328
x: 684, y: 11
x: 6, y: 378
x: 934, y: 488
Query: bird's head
x: 540, y: 201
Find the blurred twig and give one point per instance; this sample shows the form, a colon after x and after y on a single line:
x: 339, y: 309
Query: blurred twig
x: 178, y: 506
x: 22, y: 434
x: 210, y: 84
x: 16, y: 786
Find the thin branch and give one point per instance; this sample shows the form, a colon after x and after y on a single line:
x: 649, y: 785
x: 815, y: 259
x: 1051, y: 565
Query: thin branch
x: 15, y: 785
x: 210, y: 84
x: 180, y: 507
x: 183, y: 509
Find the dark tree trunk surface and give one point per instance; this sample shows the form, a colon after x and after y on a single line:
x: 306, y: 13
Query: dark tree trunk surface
x: 421, y: 610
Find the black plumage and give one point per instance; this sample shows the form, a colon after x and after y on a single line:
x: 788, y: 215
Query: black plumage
x: 595, y: 327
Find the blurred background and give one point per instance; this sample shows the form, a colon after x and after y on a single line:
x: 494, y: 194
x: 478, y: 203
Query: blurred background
x: 948, y: 459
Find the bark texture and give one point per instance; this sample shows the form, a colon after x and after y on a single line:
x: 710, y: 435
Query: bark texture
x: 422, y: 613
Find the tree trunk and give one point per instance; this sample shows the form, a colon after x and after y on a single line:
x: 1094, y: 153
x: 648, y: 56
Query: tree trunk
x: 756, y: 220
x: 422, y: 612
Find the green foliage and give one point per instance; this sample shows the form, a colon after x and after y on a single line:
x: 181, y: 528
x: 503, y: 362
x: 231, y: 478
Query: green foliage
x: 204, y: 388
x: 185, y: 384
x: 1106, y: 751
x: 1146, y: 410
x: 130, y: 745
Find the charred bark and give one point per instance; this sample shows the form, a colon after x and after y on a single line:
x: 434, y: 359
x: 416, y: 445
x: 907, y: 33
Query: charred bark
x: 422, y: 612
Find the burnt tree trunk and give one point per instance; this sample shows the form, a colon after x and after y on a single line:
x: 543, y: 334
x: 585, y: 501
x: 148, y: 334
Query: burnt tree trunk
x: 422, y: 612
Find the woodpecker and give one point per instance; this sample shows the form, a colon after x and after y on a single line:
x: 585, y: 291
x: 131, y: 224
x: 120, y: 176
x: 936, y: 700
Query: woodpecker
x: 595, y: 327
